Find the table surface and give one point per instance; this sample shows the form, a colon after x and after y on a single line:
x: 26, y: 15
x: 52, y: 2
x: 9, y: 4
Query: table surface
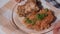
x: 6, y: 13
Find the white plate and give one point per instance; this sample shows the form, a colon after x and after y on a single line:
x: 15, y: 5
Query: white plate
x: 18, y: 19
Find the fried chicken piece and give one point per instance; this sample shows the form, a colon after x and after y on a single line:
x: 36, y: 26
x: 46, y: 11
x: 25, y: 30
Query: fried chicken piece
x: 26, y: 9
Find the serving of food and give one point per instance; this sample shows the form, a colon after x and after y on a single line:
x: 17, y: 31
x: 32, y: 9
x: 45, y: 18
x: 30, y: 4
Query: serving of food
x: 33, y: 18
x: 39, y: 21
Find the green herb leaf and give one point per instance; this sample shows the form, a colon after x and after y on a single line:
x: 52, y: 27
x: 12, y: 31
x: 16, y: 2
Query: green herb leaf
x: 33, y: 23
x: 46, y: 9
x: 30, y: 21
x: 46, y: 14
x: 40, y: 16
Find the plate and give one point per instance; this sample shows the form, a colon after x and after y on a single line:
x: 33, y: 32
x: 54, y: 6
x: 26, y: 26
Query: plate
x: 17, y: 21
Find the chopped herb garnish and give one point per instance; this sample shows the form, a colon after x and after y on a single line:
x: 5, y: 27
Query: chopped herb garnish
x: 46, y: 9
x: 33, y: 22
x: 30, y: 21
x: 41, y: 16
x: 46, y: 14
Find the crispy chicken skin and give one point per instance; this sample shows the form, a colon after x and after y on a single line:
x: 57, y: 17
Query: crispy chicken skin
x: 26, y: 9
